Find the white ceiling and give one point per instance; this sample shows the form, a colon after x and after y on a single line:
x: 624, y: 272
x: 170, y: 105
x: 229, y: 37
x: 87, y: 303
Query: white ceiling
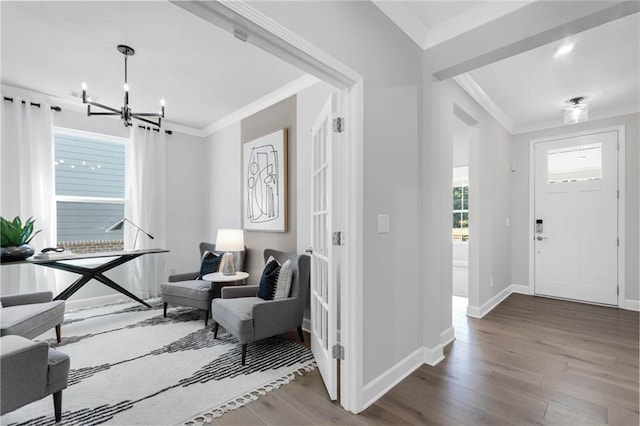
x: 202, y: 72
x: 205, y: 74
x: 528, y: 91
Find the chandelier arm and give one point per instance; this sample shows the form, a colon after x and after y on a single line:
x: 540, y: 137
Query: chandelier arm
x: 105, y: 113
x: 145, y: 120
x: 95, y: 104
x: 145, y: 114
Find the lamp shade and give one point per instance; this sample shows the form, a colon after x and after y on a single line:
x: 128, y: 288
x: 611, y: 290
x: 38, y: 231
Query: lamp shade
x: 230, y: 240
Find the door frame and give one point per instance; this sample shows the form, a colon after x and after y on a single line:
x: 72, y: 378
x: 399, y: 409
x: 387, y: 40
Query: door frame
x: 621, y: 202
x: 252, y: 26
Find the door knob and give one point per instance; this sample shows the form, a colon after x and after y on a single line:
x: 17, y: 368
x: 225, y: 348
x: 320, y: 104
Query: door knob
x: 539, y: 238
x: 309, y: 250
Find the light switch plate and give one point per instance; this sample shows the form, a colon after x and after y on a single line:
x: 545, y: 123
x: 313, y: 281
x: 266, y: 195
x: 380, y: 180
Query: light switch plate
x: 383, y: 224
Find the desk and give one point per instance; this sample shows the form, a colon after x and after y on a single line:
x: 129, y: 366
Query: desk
x: 89, y: 273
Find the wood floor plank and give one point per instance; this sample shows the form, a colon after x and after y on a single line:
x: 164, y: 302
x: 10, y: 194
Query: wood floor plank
x: 531, y: 360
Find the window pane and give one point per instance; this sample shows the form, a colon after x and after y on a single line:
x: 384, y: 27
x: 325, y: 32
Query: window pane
x: 457, y: 198
x: 456, y: 220
x: 465, y: 198
x: 464, y: 220
x: 576, y: 163
x: 89, y: 168
x: 88, y: 221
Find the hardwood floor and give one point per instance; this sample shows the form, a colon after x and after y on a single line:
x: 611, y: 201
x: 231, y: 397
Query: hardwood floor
x: 531, y: 360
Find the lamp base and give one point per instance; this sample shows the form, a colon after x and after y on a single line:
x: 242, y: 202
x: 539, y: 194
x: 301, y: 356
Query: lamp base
x: 228, y: 267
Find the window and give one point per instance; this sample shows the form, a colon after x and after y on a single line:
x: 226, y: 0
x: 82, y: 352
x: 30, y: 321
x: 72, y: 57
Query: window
x: 461, y: 213
x: 575, y: 163
x: 460, y: 231
x: 90, y: 190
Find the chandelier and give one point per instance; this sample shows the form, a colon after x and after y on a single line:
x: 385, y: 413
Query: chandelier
x: 124, y: 112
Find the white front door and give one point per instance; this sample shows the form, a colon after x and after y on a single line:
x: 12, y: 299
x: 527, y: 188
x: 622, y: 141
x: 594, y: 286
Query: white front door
x: 324, y: 306
x: 576, y: 218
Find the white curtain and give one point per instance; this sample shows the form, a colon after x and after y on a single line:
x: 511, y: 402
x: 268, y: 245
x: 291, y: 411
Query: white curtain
x: 28, y: 186
x: 147, y: 208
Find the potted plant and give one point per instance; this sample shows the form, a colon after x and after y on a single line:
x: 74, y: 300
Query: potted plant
x: 15, y: 238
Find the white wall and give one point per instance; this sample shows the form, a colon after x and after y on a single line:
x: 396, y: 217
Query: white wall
x: 520, y: 198
x: 489, y: 189
x: 223, y: 193
x: 360, y: 36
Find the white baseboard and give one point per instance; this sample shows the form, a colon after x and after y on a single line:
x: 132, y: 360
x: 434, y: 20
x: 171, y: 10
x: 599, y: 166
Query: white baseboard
x: 433, y: 356
x: 382, y: 384
x: 306, y: 325
x: 632, y: 305
x: 447, y: 336
x: 521, y: 289
x: 481, y: 311
x: 94, y: 301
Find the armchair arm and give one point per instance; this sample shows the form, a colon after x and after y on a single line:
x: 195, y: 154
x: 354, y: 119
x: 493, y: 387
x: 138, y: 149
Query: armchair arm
x: 186, y: 276
x: 24, y: 371
x: 26, y: 299
x: 273, y: 317
x: 233, y: 292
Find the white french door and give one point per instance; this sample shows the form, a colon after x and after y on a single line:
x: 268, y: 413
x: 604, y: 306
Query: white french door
x: 324, y: 306
x: 576, y: 218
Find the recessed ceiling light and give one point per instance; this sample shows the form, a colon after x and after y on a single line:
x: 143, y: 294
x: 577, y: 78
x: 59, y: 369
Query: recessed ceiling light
x: 564, y: 49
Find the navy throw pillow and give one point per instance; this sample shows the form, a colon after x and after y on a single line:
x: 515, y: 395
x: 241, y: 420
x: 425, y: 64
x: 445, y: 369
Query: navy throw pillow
x: 269, y: 280
x: 210, y: 263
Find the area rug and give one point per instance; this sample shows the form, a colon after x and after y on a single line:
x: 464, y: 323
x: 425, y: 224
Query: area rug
x: 129, y: 365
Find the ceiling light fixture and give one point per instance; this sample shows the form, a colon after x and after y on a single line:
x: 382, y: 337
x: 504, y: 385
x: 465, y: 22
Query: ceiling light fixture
x: 577, y: 111
x: 564, y: 49
x: 124, y: 112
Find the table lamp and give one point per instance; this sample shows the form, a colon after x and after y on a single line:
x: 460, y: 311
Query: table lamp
x: 228, y: 241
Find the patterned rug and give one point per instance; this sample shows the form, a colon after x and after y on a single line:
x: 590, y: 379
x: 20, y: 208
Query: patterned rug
x: 129, y: 365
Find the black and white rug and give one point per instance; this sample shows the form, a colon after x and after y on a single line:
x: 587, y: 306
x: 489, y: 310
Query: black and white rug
x: 129, y: 365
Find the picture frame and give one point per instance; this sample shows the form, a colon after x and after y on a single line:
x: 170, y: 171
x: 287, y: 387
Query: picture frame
x: 264, y: 182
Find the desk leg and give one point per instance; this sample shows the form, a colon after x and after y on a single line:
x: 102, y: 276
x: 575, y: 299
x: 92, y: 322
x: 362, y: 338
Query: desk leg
x: 88, y: 274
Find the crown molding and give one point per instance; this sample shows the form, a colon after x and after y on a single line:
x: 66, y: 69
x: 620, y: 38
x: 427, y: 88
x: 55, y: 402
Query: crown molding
x: 474, y: 90
x: 266, y: 101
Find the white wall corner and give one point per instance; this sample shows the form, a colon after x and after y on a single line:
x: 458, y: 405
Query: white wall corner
x: 382, y: 384
x: 521, y: 289
x: 447, y: 336
x: 481, y: 311
x: 433, y: 356
x: 632, y: 305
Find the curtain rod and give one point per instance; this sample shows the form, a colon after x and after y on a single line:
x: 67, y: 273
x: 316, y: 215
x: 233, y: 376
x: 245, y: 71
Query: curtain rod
x: 169, y: 132
x: 55, y: 108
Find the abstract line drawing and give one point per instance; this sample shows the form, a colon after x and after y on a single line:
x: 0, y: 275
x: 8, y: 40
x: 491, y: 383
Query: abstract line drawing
x: 265, y: 183
x: 262, y: 184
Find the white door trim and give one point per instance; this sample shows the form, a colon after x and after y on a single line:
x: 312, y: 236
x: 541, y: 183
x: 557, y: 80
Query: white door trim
x: 621, y: 202
x: 269, y: 35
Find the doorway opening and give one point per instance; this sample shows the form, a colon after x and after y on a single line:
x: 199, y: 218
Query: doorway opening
x: 460, y: 215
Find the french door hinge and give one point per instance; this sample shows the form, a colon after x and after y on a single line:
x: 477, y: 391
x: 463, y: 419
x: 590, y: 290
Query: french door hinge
x: 337, y: 351
x: 618, y: 290
x: 338, y: 125
x: 618, y: 241
x: 337, y: 238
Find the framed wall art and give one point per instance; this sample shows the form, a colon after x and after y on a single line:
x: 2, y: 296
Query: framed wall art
x: 264, y: 175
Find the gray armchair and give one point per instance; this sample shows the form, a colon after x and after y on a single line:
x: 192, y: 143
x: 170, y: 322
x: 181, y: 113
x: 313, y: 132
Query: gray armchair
x: 186, y: 290
x: 29, y: 315
x: 249, y: 318
x: 30, y: 371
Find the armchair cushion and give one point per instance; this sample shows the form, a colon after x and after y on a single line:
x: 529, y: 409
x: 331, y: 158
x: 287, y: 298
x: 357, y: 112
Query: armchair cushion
x: 210, y: 263
x: 32, y: 319
x: 237, y: 316
x: 194, y: 293
x: 27, y: 298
